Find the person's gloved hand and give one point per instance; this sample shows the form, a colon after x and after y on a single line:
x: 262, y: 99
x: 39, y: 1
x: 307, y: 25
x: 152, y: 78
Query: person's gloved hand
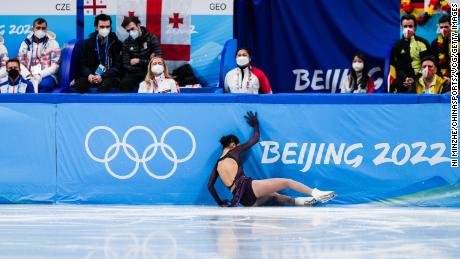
x: 251, y: 118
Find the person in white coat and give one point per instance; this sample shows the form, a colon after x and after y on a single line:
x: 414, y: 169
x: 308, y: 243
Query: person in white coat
x: 158, y: 79
x: 3, y: 59
x: 39, y: 55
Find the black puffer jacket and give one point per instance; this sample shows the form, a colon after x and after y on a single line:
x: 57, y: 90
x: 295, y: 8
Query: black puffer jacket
x: 140, y: 48
x: 89, y: 60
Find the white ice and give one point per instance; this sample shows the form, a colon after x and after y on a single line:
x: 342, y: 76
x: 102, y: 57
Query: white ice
x: 64, y: 231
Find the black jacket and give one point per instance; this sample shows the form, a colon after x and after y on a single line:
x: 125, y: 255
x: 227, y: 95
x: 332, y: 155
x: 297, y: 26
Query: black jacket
x: 89, y: 60
x: 402, y: 62
x: 140, y: 48
x: 437, y: 49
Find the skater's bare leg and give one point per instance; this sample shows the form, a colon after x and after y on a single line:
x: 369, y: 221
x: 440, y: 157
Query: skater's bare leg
x: 269, y: 186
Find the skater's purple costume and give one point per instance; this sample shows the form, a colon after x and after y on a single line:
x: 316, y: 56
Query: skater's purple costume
x: 243, y: 192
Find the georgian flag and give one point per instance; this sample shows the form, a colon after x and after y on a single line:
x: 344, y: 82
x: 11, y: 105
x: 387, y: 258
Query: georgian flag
x: 95, y: 7
x: 169, y: 20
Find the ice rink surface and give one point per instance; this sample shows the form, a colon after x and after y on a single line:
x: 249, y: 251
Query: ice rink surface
x: 69, y: 231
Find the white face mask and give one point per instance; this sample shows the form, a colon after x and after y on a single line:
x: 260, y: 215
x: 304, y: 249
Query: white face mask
x: 40, y: 34
x: 158, y: 69
x: 425, y: 72
x: 358, y: 66
x: 104, y: 32
x: 242, y: 61
x: 407, y: 33
x: 134, y: 34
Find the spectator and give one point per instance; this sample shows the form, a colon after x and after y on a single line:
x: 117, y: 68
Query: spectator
x: 138, y: 48
x: 158, y: 79
x: 100, y: 58
x: 3, y: 59
x: 441, y: 46
x: 405, y: 58
x: 39, y: 55
x: 15, y: 84
x: 429, y: 82
x: 245, y: 78
x: 358, y: 80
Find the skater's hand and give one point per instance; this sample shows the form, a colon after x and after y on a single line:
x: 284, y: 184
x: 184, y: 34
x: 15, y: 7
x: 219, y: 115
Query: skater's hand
x: 225, y: 203
x: 251, y: 118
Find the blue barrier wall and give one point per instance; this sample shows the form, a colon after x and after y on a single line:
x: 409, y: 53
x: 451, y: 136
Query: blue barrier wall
x: 150, y: 149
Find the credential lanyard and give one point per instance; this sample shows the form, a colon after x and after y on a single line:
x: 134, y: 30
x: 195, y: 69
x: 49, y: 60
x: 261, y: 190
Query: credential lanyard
x: 106, y: 51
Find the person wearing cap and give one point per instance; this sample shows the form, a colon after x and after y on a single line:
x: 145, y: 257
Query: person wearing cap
x: 429, y: 82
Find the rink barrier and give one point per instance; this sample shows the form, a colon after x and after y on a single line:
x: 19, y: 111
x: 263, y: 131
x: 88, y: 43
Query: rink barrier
x: 160, y: 149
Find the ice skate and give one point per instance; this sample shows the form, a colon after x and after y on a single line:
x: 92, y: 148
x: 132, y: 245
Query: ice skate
x: 323, y: 196
x: 305, y: 201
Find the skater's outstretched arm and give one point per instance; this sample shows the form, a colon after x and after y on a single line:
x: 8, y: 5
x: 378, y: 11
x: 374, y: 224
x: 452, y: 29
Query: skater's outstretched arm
x: 212, y: 190
x: 251, y: 119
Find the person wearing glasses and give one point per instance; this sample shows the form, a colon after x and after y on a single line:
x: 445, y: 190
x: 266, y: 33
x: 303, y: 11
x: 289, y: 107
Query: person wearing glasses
x: 100, y: 58
x: 138, y: 49
x: 39, y: 55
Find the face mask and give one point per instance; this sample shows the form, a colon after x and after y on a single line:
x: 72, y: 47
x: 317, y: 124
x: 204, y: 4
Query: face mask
x: 407, y: 33
x: 104, y: 32
x: 242, y: 61
x: 134, y: 34
x: 427, y: 72
x: 445, y: 32
x: 40, y: 34
x: 158, y: 69
x: 358, y: 66
x: 13, y: 73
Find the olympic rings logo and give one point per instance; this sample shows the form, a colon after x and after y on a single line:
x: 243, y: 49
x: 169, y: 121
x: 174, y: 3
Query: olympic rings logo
x: 149, y: 153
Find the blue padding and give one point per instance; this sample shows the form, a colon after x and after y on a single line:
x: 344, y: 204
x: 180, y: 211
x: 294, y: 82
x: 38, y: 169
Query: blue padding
x: 64, y: 69
x: 69, y: 65
x: 227, y: 61
x: 228, y: 98
x: 201, y: 90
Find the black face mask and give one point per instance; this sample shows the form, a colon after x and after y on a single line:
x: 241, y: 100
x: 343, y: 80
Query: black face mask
x: 13, y: 73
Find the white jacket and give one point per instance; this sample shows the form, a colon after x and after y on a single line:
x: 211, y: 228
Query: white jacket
x: 48, y: 53
x: 3, y: 59
x: 233, y: 83
x: 163, y: 85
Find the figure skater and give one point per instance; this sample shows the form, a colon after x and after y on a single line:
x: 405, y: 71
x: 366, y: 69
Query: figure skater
x: 249, y: 192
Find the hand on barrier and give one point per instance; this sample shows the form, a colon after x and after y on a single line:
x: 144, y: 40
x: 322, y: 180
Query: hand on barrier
x: 251, y: 118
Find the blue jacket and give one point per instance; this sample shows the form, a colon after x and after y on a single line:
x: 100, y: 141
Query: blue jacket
x: 22, y: 86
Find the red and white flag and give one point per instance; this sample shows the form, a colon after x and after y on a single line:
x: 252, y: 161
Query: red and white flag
x: 95, y: 7
x: 169, y: 20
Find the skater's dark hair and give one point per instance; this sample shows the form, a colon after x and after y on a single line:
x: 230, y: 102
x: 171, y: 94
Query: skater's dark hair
x: 227, y: 140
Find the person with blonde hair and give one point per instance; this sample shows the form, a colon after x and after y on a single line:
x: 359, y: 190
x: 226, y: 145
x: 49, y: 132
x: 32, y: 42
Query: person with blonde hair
x: 158, y: 79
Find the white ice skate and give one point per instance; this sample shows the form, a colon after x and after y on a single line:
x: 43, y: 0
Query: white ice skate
x: 323, y: 196
x: 305, y: 201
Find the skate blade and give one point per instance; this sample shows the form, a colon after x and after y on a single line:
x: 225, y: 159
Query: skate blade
x: 310, y: 202
x: 327, y: 198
